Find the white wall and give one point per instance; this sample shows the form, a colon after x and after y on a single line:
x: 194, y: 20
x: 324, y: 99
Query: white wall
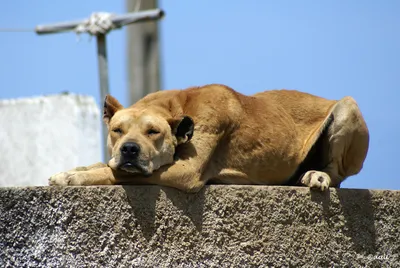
x: 45, y: 135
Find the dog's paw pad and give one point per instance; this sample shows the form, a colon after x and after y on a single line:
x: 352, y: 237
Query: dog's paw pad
x: 316, y: 180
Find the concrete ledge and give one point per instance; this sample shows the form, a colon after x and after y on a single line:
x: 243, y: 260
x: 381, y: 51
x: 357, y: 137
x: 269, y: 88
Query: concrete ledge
x: 222, y: 226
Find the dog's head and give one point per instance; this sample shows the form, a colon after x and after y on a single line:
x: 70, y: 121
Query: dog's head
x: 141, y: 139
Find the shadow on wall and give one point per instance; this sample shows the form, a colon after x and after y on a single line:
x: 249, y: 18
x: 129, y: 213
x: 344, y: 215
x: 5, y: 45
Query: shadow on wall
x: 346, y: 215
x: 357, y: 209
x: 191, y: 205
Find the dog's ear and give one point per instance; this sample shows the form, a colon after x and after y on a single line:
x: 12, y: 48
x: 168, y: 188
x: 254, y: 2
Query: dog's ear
x: 111, y: 106
x: 182, y: 128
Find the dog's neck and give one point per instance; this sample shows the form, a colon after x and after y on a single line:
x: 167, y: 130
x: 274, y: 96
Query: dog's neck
x: 170, y: 106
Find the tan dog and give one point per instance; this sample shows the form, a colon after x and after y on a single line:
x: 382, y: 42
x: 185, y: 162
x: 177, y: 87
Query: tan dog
x: 187, y: 138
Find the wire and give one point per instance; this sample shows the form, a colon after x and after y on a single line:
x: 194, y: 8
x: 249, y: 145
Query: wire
x: 16, y: 30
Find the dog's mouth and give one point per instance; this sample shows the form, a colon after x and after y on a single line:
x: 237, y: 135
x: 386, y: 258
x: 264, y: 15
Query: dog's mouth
x: 134, y: 167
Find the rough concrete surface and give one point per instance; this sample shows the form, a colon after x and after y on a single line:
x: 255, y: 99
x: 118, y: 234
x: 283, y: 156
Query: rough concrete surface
x: 42, y: 136
x: 221, y: 226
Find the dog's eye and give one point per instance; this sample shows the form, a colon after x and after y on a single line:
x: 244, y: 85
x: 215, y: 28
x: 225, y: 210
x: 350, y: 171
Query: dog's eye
x: 152, y: 132
x: 117, y: 130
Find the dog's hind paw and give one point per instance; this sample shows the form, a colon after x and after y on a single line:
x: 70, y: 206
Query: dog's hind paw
x: 316, y: 180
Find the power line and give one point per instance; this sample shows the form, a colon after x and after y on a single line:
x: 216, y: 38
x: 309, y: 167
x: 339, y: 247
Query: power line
x: 16, y: 30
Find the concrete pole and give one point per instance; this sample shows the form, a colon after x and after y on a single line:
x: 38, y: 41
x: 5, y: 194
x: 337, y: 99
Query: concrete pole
x: 143, y: 54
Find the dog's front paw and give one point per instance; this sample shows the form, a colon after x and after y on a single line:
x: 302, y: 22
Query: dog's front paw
x: 316, y: 180
x: 63, y: 179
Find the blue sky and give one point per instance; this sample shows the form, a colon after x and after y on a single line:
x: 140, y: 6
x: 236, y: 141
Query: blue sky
x: 330, y: 48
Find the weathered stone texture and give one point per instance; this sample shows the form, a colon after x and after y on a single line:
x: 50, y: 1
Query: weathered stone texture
x: 222, y: 226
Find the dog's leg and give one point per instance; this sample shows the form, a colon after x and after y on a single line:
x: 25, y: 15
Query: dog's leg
x: 86, y: 168
x: 180, y: 175
x: 99, y: 175
x: 347, y: 141
x: 185, y: 174
x: 64, y: 175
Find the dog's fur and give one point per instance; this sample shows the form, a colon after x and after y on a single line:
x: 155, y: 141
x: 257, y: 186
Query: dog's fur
x: 213, y: 134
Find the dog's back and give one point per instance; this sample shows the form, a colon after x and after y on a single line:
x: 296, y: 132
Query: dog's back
x: 264, y: 135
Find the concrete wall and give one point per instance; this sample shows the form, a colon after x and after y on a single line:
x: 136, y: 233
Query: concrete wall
x: 45, y: 135
x: 222, y: 226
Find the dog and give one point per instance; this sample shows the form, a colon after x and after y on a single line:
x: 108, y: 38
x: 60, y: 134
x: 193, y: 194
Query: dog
x: 188, y: 138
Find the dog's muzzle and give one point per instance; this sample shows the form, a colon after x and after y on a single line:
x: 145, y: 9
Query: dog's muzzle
x: 130, y: 160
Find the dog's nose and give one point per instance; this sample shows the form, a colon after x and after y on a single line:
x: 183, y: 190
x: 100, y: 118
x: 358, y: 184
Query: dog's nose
x: 130, y: 149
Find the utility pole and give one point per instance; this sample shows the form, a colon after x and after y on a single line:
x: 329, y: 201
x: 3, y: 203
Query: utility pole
x: 143, y: 53
x: 99, y: 24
